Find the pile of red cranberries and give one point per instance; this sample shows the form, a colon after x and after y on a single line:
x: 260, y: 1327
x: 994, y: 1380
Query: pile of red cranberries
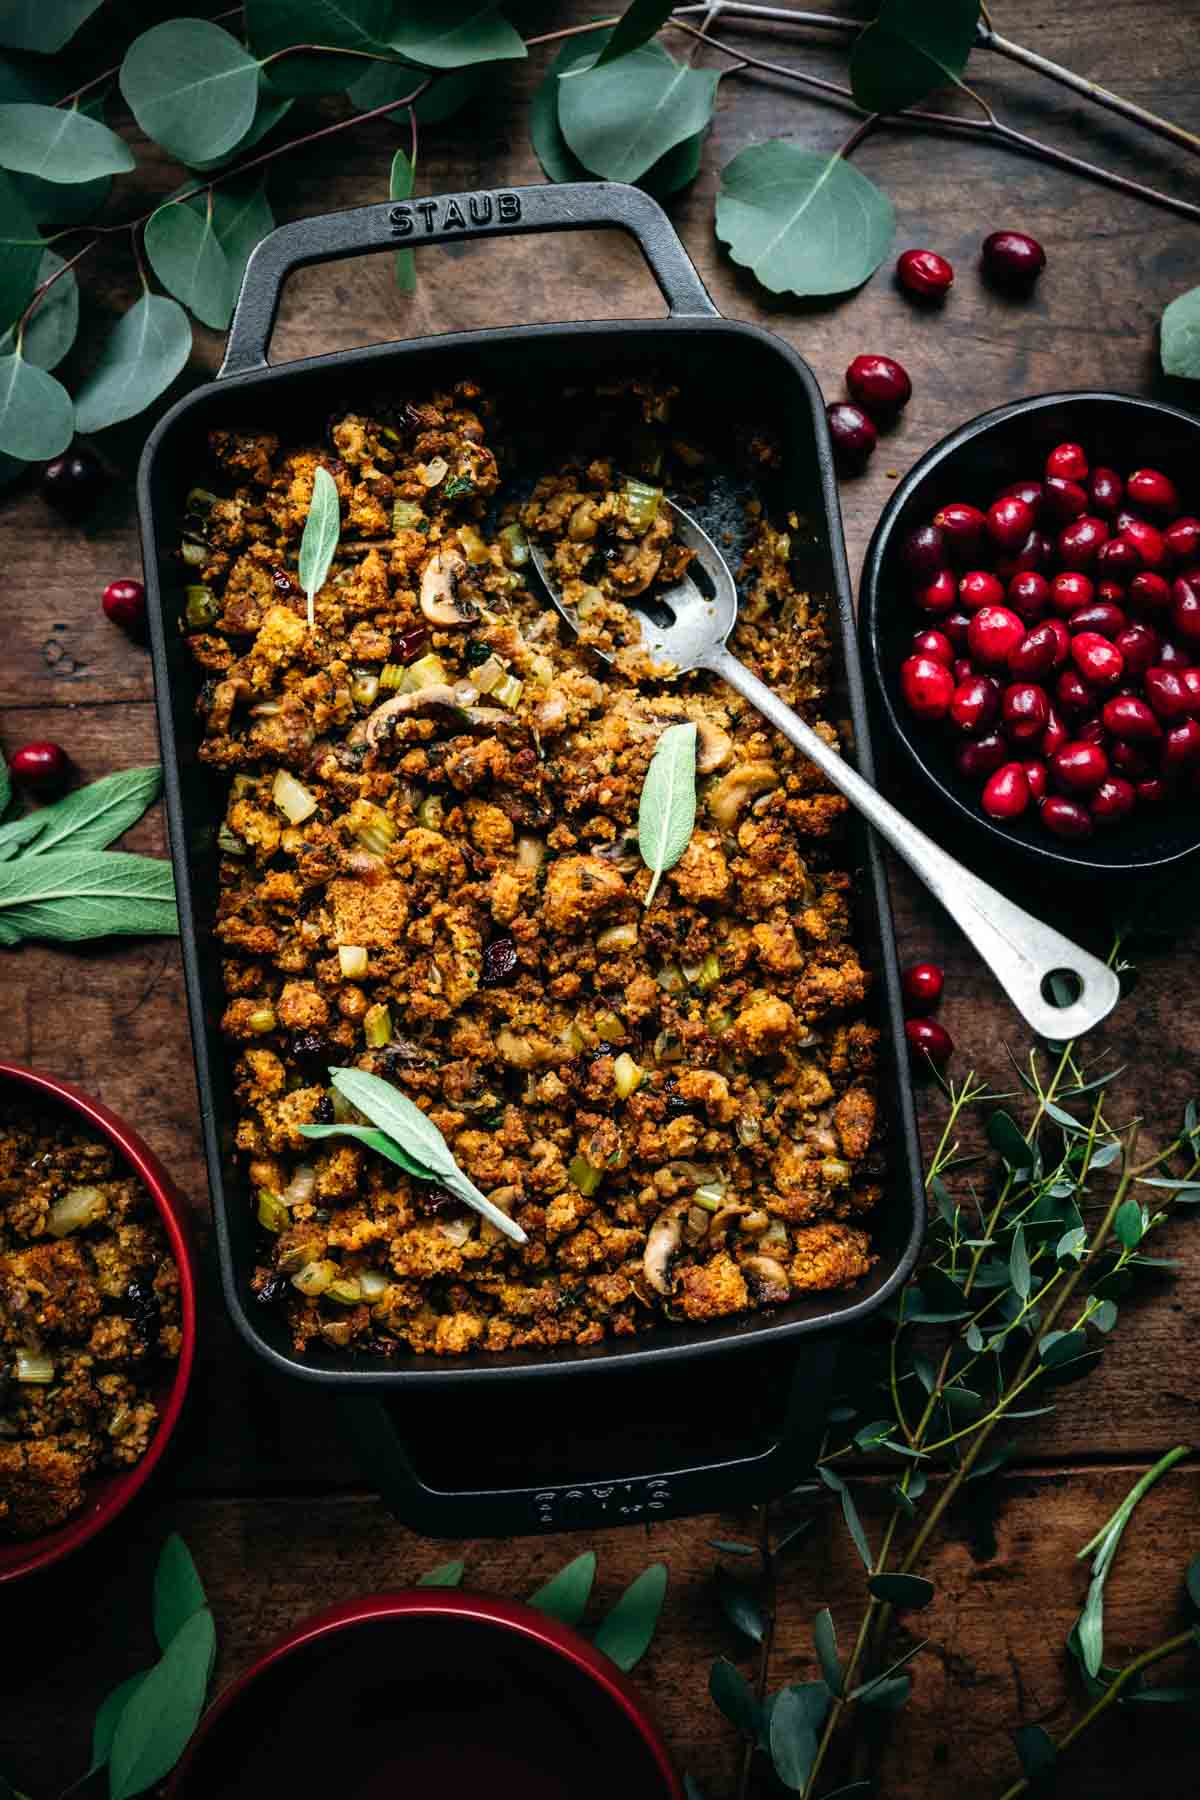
x: 1061, y: 649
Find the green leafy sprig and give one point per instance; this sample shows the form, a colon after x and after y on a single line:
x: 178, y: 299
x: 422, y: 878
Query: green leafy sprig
x: 667, y: 807
x: 627, y: 1630
x: 318, y: 545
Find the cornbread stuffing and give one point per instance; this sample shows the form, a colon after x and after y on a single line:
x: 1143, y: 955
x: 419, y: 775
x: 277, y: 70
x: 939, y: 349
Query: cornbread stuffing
x: 430, y: 870
x: 89, y: 1314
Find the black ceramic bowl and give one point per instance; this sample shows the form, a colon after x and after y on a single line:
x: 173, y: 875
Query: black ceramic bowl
x: 1117, y: 430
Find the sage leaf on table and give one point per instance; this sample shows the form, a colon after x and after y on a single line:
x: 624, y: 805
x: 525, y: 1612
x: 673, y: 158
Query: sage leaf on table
x: 108, y: 1714
x: 140, y: 358
x: 90, y: 817
x: 319, y: 543
x: 620, y: 119
x: 565, y: 1595
x: 52, y: 329
x: 37, y: 419
x: 191, y: 87
x: 667, y: 808
x: 400, y: 187
x: 625, y: 1634
x: 178, y: 1590
x: 446, y: 1575
x: 69, y: 895
x: 60, y: 144
x: 802, y: 223
x: 163, y: 1711
x: 909, y: 50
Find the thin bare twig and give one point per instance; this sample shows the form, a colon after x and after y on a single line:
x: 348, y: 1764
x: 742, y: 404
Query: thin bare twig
x: 1090, y: 90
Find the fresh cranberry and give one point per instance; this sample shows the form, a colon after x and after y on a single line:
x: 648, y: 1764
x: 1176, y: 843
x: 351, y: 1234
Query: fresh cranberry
x: 963, y: 528
x: 1029, y: 594
x: 1118, y: 559
x: 962, y: 668
x: 1035, y: 775
x: 73, y: 483
x: 40, y: 766
x: 499, y: 962
x: 1009, y: 522
x: 1191, y: 681
x: 408, y: 645
x: 974, y: 704
x: 1098, y: 661
x: 979, y: 588
x: 1181, y: 746
x: 1111, y: 593
x: 928, y: 1042
x: 1114, y: 799
x: 1151, y: 792
x: 1150, y: 487
x: 1151, y: 592
x: 1006, y: 794
x: 1012, y: 259
x: 1066, y: 818
x: 1031, y: 492
x: 924, y: 274
x: 1079, y: 766
x: 1038, y: 651
x: 1171, y: 656
x: 940, y: 595
x: 1073, y: 693
x: 1070, y: 591
x: 1079, y: 542
x: 1167, y: 693
x: 1037, y: 552
x: 1068, y: 461
x: 1182, y: 538
x: 935, y: 644
x: 1063, y: 500
x: 1147, y: 540
x: 927, y: 687
x: 852, y: 433
x: 994, y: 633
x: 1133, y: 763
x: 979, y: 756
x: 922, y: 984
x: 879, y: 383
x: 1104, y: 616
x: 1106, y: 491
x: 956, y: 624
x: 1025, y: 709
x: 1128, y: 717
x: 1091, y: 731
x: 1185, y: 609
x: 124, y: 602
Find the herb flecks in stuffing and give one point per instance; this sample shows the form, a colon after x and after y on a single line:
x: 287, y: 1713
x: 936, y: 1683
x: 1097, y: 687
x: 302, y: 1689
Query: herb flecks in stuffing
x: 431, y: 872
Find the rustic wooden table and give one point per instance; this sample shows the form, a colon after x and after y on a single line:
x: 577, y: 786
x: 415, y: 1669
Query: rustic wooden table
x: 261, y: 1485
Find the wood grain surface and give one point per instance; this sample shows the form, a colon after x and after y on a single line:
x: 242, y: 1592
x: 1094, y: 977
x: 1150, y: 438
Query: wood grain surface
x: 261, y: 1484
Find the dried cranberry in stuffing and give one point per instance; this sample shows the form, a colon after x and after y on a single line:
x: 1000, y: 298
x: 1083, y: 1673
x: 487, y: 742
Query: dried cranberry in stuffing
x: 499, y: 961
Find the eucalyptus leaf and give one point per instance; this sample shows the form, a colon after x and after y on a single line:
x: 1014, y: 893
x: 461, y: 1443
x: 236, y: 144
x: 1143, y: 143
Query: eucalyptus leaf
x: 559, y: 162
x: 1192, y: 1582
x: 907, y: 1592
x: 1105, y: 1315
x: 455, y: 34
x: 1018, y: 1264
x: 674, y: 170
x: 565, y: 1596
x: 888, y: 1694
x: 451, y: 91
x: 319, y: 543
x: 108, y: 1714
x: 667, y: 807
x: 1061, y: 1346
x: 275, y: 25
x: 188, y: 259
x: 793, y: 1740
x: 730, y: 1547
x: 53, y: 325
x: 242, y: 218
x: 850, y: 1514
x: 620, y: 120
x: 69, y: 895
x: 1179, y: 336
x: 270, y: 110
x: 21, y: 250
x: 162, y: 1713
x: 373, y: 1139
x: 140, y: 358
x: 1035, y: 1751
x: 803, y: 223
x: 626, y: 1633
x: 400, y: 187
x: 1130, y: 1222
x: 1006, y: 1136
x: 54, y: 202
x: 446, y: 1575
x: 37, y: 419
x: 741, y: 1605
x: 60, y: 144
x: 43, y: 25
x: 825, y: 1645
x: 635, y: 26
x: 191, y: 87
x: 733, y: 1696
x: 911, y: 49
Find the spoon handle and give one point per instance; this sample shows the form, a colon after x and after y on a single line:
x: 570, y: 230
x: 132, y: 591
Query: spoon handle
x: 1020, y: 950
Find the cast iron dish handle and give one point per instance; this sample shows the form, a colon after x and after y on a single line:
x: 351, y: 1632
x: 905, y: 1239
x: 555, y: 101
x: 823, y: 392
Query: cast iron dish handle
x: 503, y: 212
x: 382, y: 1444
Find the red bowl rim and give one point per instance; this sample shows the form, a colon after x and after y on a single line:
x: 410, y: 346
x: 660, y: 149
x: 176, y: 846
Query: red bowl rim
x: 118, y: 1490
x: 512, y: 1615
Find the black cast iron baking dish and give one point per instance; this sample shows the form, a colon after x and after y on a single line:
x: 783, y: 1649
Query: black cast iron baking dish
x: 680, y: 1421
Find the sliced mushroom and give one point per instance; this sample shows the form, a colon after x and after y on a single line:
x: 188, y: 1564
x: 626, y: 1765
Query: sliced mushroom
x: 767, y: 1280
x: 714, y: 747
x: 730, y: 1213
x: 424, y: 700
x: 440, y: 600
x: 662, y: 1246
x: 731, y: 793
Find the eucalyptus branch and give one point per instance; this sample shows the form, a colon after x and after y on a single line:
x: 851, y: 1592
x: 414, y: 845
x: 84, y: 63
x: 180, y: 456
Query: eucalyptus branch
x: 111, y: 74
x: 768, y: 1573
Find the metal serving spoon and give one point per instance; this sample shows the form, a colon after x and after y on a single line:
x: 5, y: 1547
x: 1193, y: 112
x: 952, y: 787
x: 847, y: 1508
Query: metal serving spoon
x: 1020, y: 950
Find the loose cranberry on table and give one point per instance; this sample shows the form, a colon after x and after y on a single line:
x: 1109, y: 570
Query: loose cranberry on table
x: 879, y: 383
x: 924, y: 274
x: 41, y: 766
x: 922, y: 984
x: 854, y: 437
x: 928, y: 1042
x: 73, y: 483
x: 124, y: 602
x: 1012, y: 259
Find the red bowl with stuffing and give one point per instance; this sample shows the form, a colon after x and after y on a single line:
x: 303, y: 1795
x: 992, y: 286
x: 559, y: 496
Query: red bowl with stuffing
x: 429, y: 1690
x: 109, y: 1494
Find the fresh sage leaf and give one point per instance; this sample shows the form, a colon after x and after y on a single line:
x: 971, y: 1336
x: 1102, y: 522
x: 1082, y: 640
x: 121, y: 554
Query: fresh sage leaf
x: 1018, y: 1264
x: 911, y: 49
x: 69, y: 895
x: 825, y: 1645
x: 319, y: 543
x: 91, y: 817
x: 376, y: 1140
x: 446, y: 1575
x: 21, y: 250
x: 909, y: 1593
x: 667, y: 808
x: 1090, y: 1626
x: 565, y: 1596
x: 733, y: 1696
x: 1179, y: 336
x: 60, y: 144
x: 54, y: 322
x: 741, y: 1605
x: 620, y: 120
x: 1130, y: 1224
x: 400, y: 187
x: 626, y: 1633
x: 275, y: 25
x: 455, y: 34
x: 46, y: 28
x: 37, y: 419
x: 191, y: 87
x: 802, y: 223
x: 635, y: 26
x: 142, y: 355
x: 1035, y: 1751
x: 162, y: 1713
x: 793, y: 1740
x: 188, y: 259
x: 108, y: 1714
x: 178, y: 1590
